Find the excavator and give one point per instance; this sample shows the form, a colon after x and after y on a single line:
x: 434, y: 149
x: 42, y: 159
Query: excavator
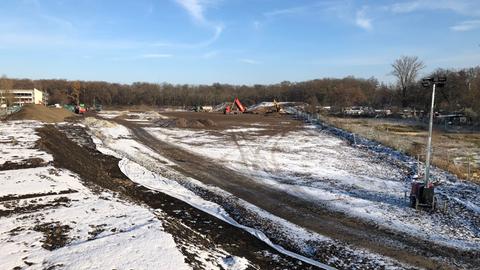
x: 231, y: 108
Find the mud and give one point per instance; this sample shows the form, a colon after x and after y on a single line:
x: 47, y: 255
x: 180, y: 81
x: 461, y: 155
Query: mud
x: 13, y: 206
x: 184, y: 123
x: 407, y: 249
x: 55, y: 235
x: 269, y: 123
x: 188, y: 225
x: 24, y: 164
x: 34, y: 195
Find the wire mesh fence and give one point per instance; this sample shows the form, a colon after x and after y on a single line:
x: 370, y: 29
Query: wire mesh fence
x: 5, y: 111
x: 464, y: 164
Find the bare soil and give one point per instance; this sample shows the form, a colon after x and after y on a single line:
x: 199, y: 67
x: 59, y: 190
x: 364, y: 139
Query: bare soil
x: 184, y: 123
x: 306, y: 214
x: 41, y: 113
x: 14, y: 208
x: 55, y: 235
x: 270, y: 123
x: 23, y: 164
x: 187, y: 225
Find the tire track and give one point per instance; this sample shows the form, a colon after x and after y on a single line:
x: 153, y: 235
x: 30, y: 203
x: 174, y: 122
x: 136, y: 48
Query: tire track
x: 405, y: 248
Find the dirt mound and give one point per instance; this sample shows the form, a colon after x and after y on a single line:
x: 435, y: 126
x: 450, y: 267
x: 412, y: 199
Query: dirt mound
x: 41, y: 113
x: 181, y: 122
x: 184, y: 123
x: 207, y: 122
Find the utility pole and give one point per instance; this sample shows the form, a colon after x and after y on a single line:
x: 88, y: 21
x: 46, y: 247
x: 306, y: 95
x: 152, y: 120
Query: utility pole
x: 440, y: 81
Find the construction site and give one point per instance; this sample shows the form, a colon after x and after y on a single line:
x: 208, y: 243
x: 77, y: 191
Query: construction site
x: 266, y: 186
x: 239, y: 135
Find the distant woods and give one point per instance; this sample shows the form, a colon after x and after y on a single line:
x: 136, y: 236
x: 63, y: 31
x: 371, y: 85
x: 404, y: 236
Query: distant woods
x: 462, y: 91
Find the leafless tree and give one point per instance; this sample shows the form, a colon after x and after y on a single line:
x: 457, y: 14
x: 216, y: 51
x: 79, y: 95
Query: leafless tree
x: 75, y: 96
x: 312, y: 104
x: 406, y: 69
x: 7, y: 86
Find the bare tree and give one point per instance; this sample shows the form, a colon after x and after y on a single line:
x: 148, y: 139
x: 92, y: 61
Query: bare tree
x: 75, y: 95
x: 406, y: 69
x: 312, y: 104
x: 7, y: 86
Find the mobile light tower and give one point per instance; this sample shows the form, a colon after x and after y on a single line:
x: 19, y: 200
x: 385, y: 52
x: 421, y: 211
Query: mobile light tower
x: 423, y: 194
x: 435, y: 81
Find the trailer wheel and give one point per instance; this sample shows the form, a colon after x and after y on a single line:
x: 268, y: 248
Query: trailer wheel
x: 412, y: 201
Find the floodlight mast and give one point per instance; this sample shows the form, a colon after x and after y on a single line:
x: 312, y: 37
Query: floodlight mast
x: 429, y: 142
x: 426, y: 82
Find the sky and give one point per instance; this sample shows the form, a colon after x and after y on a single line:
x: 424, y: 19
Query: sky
x: 232, y: 41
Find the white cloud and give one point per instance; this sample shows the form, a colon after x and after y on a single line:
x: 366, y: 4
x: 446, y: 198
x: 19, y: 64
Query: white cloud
x: 362, y: 20
x: 249, y: 61
x: 195, y: 8
x: 155, y: 55
x: 406, y: 7
x: 286, y: 11
x: 342, y: 10
x: 466, y: 26
x: 464, y: 7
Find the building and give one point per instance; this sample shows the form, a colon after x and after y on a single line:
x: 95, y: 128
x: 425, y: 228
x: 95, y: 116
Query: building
x: 23, y: 96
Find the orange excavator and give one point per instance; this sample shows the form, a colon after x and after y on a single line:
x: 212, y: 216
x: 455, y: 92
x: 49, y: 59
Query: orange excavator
x: 231, y: 108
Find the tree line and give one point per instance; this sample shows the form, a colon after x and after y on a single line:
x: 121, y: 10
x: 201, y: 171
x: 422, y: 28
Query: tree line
x: 461, y: 92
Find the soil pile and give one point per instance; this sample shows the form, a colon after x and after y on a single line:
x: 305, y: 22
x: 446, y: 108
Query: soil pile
x: 41, y: 113
x: 184, y: 123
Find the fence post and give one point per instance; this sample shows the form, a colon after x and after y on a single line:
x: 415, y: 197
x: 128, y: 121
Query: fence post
x: 468, y: 160
x: 418, y: 165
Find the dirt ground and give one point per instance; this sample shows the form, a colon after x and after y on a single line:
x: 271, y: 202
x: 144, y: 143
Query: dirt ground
x: 271, y: 123
x: 41, y: 113
x: 404, y: 248
x: 73, y: 149
x: 102, y: 172
x: 455, y: 151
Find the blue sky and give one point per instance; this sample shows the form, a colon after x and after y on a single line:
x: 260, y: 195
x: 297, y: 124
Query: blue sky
x: 232, y: 41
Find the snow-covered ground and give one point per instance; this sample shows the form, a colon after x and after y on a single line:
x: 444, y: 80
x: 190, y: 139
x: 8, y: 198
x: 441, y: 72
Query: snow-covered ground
x: 153, y: 171
x: 132, y: 116
x: 110, y: 114
x: 325, y: 169
x: 129, y: 236
x: 143, y: 166
x: 48, y: 218
x: 17, y: 141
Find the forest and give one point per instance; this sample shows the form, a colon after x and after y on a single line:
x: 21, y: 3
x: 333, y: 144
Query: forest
x: 461, y: 92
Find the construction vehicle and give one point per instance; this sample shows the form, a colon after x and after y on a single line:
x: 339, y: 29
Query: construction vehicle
x: 96, y: 105
x: 80, y: 109
x: 277, y: 106
x: 236, y: 107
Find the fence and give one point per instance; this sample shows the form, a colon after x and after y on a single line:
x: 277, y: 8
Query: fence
x: 9, y: 110
x: 465, y: 163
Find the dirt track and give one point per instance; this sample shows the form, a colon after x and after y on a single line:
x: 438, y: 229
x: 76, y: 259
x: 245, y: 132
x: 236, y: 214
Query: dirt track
x: 305, y: 213
x: 101, y: 172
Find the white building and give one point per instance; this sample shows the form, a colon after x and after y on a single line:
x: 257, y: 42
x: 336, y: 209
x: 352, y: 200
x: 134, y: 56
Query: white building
x: 23, y: 96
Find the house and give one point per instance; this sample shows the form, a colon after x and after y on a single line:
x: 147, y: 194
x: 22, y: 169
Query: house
x: 22, y: 96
